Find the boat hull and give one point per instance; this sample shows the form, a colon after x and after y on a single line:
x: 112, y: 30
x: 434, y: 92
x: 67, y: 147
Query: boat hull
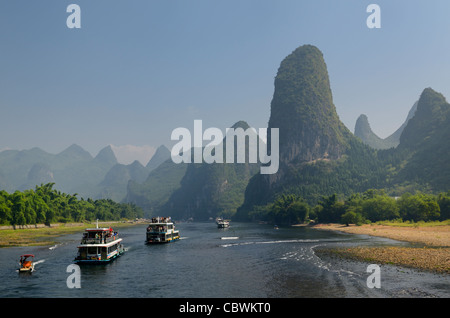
x: 97, y: 261
x: 155, y: 241
x: 26, y: 269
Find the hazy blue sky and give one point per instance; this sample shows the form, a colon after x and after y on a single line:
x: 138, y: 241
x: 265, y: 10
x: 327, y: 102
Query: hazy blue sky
x: 138, y: 69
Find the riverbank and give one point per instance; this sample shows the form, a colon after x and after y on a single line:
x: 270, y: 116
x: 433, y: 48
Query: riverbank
x: 47, y: 235
x: 432, y: 255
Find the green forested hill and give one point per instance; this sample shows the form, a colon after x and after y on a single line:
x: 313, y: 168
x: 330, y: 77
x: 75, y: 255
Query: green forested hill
x: 210, y: 190
x: 156, y: 190
x: 425, y: 145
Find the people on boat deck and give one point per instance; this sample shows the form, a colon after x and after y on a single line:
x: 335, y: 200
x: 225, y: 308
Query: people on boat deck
x: 102, y: 237
x: 157, y: 228
x: 161, y: 219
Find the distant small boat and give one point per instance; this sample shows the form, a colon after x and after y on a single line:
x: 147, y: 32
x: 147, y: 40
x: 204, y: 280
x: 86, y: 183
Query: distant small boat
x: 229, y: 238
x: 275, y: 227
x: 26, y: 265
x: 221, y: 223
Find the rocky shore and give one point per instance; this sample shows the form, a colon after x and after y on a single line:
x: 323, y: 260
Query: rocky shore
x: 433, y: 254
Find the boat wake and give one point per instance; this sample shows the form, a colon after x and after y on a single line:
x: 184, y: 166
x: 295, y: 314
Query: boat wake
x: 39, y: 262
x: 269, y: 242
x: 308, y: 254
x: 55, y: 246
x: 303, y: 254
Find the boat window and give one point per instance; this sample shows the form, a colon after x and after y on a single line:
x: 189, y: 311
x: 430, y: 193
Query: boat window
x: 112, y: 248
x: 92, y: 250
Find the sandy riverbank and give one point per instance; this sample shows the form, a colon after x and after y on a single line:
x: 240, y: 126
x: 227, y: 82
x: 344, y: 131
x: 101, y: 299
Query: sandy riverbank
x: 434, y: 255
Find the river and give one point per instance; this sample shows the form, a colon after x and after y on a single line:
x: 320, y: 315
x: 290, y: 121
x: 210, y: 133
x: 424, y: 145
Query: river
x: 245, y: 260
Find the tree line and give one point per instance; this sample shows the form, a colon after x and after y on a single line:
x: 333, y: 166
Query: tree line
x: 370, y: 206
x: 47, y: 205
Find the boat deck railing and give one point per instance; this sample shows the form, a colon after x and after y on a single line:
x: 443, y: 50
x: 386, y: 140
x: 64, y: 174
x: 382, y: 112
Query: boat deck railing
x: 102, y: 240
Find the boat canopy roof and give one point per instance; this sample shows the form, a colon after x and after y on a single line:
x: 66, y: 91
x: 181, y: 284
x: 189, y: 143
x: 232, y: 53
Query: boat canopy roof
x: 27, y: 255
x: 100, y: 229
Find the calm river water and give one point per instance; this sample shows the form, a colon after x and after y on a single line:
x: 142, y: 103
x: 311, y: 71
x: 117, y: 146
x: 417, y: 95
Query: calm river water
x: 260, y: 262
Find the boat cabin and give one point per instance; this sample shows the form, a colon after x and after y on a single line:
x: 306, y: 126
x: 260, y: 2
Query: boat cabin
x: 100, y: 235
x: 99, y: 245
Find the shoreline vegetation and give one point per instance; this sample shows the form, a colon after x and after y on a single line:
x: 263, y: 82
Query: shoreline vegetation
x: 43, y: 235
x: 429, y: 251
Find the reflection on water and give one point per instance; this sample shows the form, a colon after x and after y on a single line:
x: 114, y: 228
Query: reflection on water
x: 245, y: 260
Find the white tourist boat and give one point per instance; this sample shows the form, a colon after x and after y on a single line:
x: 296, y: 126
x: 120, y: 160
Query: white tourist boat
x: 161, y: 230
x: 99, y: 245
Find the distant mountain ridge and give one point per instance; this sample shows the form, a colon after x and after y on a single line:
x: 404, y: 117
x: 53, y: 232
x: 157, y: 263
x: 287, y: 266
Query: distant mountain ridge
x: 198, y: 190
x: 365, y: 133
x: 73, y: 170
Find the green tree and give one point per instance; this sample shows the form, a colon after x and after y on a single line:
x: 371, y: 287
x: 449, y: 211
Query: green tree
x: 380, y: 207
x: 5, y: 207
x: 330, y: 210
x: 419, y: 207
x: 444, y: 205
x: 46, y: 205
x: 288, y: 209
x: 351, y: 217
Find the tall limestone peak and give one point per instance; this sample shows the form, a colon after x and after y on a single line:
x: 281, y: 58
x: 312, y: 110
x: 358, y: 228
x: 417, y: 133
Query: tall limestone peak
x: 365, y: 133
x: 315, y: 147
x: 161, y: 155
x: 432, y: 110
x: 303, y: 110
x: 106, y: 156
